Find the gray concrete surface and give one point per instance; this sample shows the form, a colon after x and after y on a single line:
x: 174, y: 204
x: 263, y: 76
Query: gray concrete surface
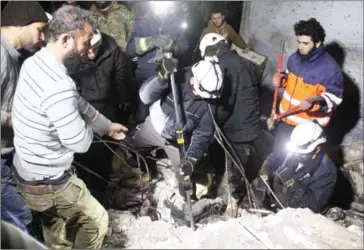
x: 290, y: 228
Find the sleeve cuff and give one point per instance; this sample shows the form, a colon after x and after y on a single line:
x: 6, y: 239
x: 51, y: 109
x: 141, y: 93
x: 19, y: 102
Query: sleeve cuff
x: 99, y: 126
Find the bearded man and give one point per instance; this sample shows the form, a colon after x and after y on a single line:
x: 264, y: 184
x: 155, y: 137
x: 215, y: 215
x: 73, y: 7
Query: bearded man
x: 51, y: 122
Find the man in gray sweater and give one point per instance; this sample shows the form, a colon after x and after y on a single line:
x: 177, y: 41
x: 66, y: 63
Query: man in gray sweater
x: 51, y: 122
x: 22, y: 24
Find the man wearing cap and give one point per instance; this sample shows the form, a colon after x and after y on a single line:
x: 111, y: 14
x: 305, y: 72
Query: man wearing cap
x: 51, y: 122
x: 22, y: 25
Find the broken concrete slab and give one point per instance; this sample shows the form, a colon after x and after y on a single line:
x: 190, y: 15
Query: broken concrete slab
x: 289, y: 228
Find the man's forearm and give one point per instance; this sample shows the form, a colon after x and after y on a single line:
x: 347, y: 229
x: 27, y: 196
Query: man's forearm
x: 94, y: 118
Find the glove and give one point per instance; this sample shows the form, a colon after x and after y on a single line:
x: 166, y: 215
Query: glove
x: 167, y: 66
x: 277, y: 79
x: 186, y: 168
x: 285, y: 174
x: 144, y: 44
x: 158, y: 57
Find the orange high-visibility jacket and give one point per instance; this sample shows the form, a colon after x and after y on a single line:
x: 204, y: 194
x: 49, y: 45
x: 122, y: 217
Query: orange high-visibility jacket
x: 317, y: 75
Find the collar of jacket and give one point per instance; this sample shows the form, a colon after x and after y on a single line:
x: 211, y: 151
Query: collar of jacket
x: 113, y: 6
x: 320, y: 51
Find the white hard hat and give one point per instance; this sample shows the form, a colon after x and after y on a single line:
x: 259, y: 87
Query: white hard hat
x: 96, y: 39
x: 208, y: 40
x: 306, y: 137
x: 209, y: 76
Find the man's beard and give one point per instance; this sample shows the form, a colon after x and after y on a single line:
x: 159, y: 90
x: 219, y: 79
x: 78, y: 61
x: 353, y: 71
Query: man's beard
x: 309, y: 54
x: 75, y: 63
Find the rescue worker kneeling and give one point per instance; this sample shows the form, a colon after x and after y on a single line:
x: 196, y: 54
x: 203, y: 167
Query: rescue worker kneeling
x: 200, y: 86
x: 307, y: 176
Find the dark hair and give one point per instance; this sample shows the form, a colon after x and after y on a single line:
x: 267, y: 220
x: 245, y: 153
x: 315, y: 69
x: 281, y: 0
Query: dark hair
x: 217, y: 8
x: 311, y: 28
x: 68, y: 19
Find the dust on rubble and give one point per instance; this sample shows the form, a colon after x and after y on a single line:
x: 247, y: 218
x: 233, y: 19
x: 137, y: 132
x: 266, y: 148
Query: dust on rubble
x: 289, y: 228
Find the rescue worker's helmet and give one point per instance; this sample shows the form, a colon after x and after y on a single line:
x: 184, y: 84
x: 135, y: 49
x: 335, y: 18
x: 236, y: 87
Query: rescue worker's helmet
x: 209, y: 76
x: 306, y: 137
x: 210, y: 39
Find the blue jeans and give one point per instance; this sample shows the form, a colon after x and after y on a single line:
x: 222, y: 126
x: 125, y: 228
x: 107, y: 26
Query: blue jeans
x: 13, y: 207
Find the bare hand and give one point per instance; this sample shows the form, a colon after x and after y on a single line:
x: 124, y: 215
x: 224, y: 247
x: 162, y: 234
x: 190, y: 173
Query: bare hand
x: 116, y: 131
x: 277, y: 80
x: 305, y: 105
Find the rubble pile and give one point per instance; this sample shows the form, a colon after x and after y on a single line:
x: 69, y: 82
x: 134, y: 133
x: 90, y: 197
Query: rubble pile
x: 289, y: 228
x: 154, y: 226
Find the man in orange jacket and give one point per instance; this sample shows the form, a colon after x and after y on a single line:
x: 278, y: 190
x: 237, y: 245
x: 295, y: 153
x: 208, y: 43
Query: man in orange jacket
x: 313, y: 81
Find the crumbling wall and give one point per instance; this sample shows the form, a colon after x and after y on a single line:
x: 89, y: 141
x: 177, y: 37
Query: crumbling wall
x: 266, y: 24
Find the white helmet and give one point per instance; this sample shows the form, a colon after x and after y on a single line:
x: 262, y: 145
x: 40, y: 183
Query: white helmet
x: 96, y: 39
x: 209, y: 76
x: 306, y: 137
x: 208, y: 40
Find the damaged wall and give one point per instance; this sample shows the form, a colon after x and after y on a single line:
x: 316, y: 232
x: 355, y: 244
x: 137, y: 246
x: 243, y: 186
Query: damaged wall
x: 265, y: 24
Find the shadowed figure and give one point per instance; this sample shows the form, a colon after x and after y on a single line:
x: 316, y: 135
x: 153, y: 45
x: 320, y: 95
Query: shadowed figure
x: 343, y: 120
x: 347, y: 114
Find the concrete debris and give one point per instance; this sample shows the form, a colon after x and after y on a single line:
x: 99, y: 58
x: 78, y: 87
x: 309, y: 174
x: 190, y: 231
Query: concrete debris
x: 289, y: 228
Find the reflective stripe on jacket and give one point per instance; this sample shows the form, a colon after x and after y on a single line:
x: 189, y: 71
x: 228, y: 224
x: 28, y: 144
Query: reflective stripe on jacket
x: 319, y: 75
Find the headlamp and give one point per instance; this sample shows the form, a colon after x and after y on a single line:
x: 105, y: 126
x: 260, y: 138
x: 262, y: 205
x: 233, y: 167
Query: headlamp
x: 291, y: 147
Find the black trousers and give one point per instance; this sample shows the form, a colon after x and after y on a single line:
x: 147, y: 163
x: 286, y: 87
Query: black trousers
x: 251, y: 155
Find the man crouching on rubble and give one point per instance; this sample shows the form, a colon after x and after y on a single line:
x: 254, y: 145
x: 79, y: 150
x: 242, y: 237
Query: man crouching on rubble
x: 51, y: 122
x: 305, y: 179
x: 200, y: 85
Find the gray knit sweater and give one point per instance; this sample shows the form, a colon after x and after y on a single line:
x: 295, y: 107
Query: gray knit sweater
x: 9, y: 76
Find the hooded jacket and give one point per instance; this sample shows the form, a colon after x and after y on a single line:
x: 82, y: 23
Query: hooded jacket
x: 198, y: 118
x: 108, y: 79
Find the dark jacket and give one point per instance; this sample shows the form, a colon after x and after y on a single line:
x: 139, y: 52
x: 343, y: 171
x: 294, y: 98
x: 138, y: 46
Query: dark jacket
x: 108, y: 80
x: 150, y: 26
x: 312, y: 192
x: 238, y: 111
x: 197, y: 117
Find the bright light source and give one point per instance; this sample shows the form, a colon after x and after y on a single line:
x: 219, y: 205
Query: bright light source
x: 161, y: 7
x: 184, y: 25
x: 291, y: 147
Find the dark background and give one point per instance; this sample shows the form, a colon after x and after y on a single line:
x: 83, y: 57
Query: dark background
x: 196, y: 14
